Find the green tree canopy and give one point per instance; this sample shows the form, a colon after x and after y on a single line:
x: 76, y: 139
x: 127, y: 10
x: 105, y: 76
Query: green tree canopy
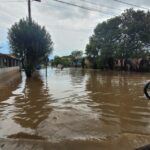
x: 64, y: 60
x: 76, y: 57
x: 30, y: 42
x: 105, y: 38
x: 135, y: 33
x: 124, y: 36
x: 76, y: 54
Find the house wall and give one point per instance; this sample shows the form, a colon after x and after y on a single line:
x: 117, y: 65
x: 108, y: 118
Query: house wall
x: 8, y: 73
x: 9, y: 67
x: 8, y: 62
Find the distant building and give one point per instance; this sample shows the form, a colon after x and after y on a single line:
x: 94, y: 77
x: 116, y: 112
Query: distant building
x: 7, y: 60
x: 9, y: 67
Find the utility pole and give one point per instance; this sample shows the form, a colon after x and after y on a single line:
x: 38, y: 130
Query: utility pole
x: 29, y: 9
x: 30, y: 21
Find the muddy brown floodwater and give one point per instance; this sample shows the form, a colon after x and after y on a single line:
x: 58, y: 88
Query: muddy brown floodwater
x: 75, y: 109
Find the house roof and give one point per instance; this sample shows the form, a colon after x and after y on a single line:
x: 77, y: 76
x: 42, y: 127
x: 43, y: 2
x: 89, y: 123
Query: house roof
x: 7, y: 56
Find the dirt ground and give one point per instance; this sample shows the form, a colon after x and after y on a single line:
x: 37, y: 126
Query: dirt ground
x: 133, y: 142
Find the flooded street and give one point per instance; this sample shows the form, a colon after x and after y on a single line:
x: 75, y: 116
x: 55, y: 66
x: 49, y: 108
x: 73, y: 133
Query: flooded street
x: 75, y: 109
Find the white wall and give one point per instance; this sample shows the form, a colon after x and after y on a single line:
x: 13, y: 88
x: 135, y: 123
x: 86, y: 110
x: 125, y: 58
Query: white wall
x: 8, y: 72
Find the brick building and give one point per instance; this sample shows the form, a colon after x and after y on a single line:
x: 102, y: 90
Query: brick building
x: 7, y: 60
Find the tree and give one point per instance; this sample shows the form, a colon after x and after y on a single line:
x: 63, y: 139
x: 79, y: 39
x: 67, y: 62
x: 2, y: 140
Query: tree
x: 136, y: 33
x: 76, y: 56
x: 103, y: 44
x: 64, y: 60
x: 56, y: 61
x: 122, y: 37
x: 31, y: 43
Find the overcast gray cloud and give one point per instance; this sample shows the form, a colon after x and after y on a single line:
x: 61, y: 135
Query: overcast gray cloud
x: 70, y: 27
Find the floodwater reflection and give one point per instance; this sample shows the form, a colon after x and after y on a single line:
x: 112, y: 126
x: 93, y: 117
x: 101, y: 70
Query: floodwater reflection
x: 25, y: 109
x: 75, y: 104
x: 120, y: 100
x: 33, y: 107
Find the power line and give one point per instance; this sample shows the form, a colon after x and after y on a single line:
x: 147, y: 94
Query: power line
x: 83, y: 7
x: 134, y: 5
x: 54, y: 5
x: 98, y: 4
x: 12, y: 1
x: 74, y: 5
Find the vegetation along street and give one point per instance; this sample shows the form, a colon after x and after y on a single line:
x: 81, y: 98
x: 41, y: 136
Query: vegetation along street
x: 74, y: 75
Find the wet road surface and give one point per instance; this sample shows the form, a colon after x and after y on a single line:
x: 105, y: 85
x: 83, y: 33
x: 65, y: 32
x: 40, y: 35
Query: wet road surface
x: 75, y: 109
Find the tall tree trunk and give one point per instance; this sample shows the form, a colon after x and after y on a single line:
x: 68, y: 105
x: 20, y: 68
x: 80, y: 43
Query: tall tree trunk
x: 28, y: 72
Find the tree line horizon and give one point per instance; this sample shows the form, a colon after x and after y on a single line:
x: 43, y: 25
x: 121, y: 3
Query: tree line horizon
x: 122, y: 37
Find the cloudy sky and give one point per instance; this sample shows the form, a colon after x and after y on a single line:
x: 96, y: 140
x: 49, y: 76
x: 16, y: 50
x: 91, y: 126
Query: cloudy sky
x: 70, y: 27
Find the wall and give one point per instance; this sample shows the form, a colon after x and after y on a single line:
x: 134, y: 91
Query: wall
x: 8, y: 73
